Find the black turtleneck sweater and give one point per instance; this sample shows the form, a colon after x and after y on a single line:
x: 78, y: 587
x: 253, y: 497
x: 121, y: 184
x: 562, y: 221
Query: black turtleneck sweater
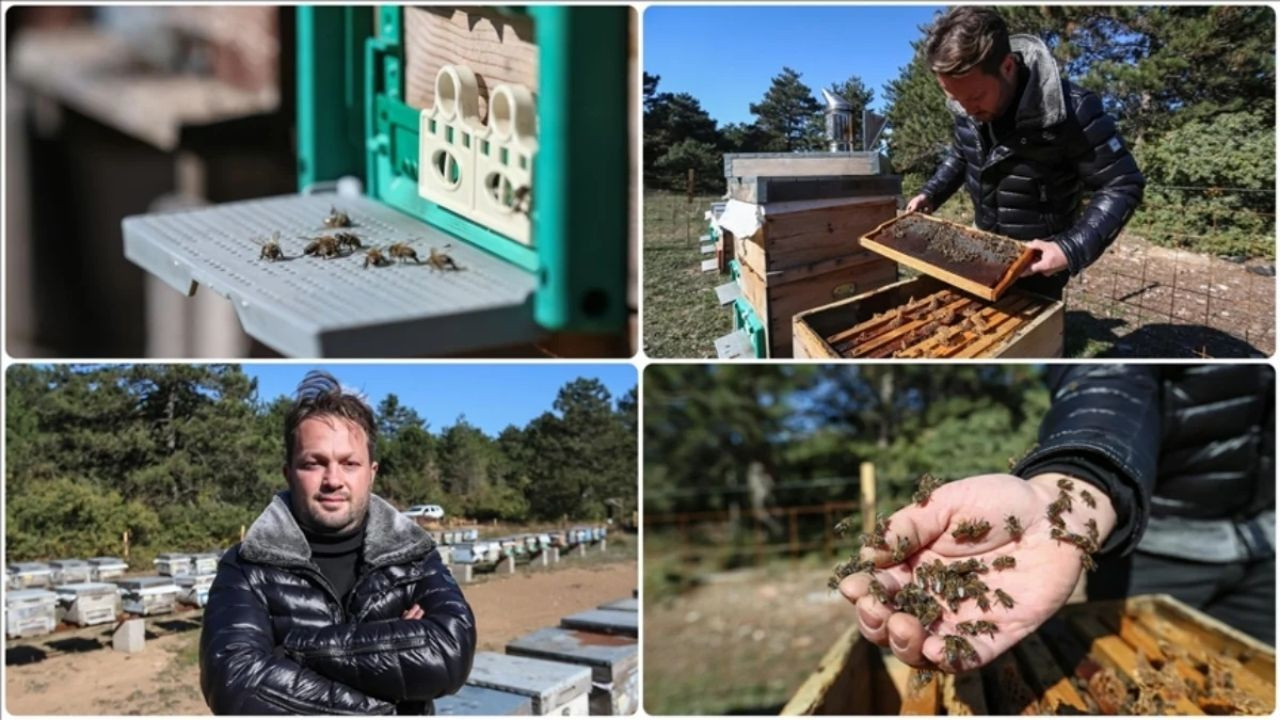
x: 338, y: 557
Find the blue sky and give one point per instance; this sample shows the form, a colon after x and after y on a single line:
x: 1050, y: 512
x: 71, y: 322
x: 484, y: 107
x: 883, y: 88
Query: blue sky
x: 725, y: 56
x: 491, y: 396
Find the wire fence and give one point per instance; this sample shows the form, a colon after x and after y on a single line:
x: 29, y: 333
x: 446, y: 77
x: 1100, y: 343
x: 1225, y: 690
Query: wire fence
x: 728, y: 538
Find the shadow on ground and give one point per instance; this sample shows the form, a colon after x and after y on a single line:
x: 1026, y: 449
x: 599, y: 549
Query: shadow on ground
x: 1154, y: 340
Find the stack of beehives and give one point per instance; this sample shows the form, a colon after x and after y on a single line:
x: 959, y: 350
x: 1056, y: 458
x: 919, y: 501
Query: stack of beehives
x: 793, y: 222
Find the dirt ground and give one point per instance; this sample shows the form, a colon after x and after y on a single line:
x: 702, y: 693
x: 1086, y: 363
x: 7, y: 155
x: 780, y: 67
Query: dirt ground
x: 164, y: 678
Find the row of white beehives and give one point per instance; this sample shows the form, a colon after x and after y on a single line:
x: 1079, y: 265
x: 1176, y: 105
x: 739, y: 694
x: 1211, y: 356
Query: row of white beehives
x: 37, y: 611
x: 524, y: 545
x: 589, y: 665
x: 21, y: 576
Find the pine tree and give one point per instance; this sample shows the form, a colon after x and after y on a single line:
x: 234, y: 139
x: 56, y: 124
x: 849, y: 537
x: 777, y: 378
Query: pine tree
x: 787, y: 112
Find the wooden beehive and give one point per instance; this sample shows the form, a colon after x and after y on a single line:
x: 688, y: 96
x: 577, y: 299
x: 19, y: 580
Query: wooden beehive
x: 978, y: 262
x: 925, y: 318
x: 804, y: 254
x: 1145, y: 655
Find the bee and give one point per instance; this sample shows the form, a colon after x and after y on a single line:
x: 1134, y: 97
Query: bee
x: 1088, y: 499
x: 843, y: 527
x: 882, y: 526
x: 919, y: 678
x: 900, y: 552
x: 1004, y: 562
x: 271, y: 251
x: 833, y: 583
x: 376, y: 258
x: 1012, y: 526
x: 522, y: 199
x: 348, y: 241
x: 403, y: 253
x: 1004, y: 598
x: 1058, y: 533
x: 1055, y: 519
x: 925, y: 487
x: 972, y: 565
x: 1092, y: 525
x: 878, y: 592
x: 323, y: 246
x: 1066, y: 484
x: 933, y: 304
x: 978, y: 627
x: 958, y: 649
x: 336, y: 218
x: 1088, y: 562
x: 896, y: 322
x: 971, y: 530
x: 1065, y: 498
x: 442, y: 262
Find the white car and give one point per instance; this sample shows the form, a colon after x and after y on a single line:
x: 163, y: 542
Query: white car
x: 431, y: 512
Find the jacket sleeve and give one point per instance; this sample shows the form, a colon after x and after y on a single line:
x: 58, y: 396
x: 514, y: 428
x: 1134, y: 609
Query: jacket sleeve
x: 399, y: 660
x: 1108, y: 170
x: 946, y: 179
x: 243, y: 672
x: 1105, y: 421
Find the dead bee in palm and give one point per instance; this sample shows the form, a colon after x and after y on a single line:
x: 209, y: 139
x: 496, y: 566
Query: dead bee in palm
x: 271, y: 251
x: 920, y: 678
x: 348, y: 241
x: 336, y: 218
x: 925, y: 487
x: 1066, y: 484
x: 442, y: 262
x: 978, y: 627
x: 901, y: 551
x: 1012, y: 526
x: 1064, y: 497
x: 1092, y: 526
x: 376, y: 258
x: 1055, y: 519
x: 878, y: 592
x: 403, y: 253
x: 1088, y: 499
x: 323, y: 246
x: 1004, y: 562
x: 1087, y: 560
x: 1004, y: 598
x: 958, y: 649
x: 967, y: 567
x: 843, y: 527
x: 971, y: 530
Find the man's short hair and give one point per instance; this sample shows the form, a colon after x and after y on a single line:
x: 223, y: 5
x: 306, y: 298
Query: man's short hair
x: 321, y: 395
x: 967, y: 37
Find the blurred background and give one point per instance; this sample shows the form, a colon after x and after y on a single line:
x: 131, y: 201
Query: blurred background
x: 746, y: 470
x: 116, y: 111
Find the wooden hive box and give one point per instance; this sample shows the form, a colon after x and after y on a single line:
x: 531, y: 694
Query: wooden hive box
x: 925, y: 318
x: 1092, y: 658
x: 793, y: 256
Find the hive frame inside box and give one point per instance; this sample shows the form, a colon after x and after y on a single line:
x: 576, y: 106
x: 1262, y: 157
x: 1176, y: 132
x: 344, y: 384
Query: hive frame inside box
x: 577, y: 240
x: 1041, y: 337
x: 853, y: 678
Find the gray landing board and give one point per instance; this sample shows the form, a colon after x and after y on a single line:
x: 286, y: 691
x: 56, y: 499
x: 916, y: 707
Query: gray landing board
x: 310, y: 307
x: 708, y: 248
x: 611, y: 657
x: 734, y: 346
x: 613, y: 622
x: 628, y: 604
x: 710, y: 265
x: 728, y: 292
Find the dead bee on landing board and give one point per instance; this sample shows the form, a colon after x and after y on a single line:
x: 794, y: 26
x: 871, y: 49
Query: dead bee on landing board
x: 1013, y: 527
x: 271, y: 251
x: 925, y: 487
x: 522, y: 199
x: 971, y: 530
x: 376, y: 258
x: 323, y: 246
x: 336, y: 218
x: 1088, y: 499
x: 1004, y: 562
x: 1004, y: 598
x: 442, y: 262
x: 348, y: 241
x: 403, y: 253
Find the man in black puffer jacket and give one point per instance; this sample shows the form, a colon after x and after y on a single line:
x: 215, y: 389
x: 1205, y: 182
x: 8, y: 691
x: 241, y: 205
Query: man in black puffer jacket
x: 1027, y: 144
x: 1168, y: 473
x: 334, y: 604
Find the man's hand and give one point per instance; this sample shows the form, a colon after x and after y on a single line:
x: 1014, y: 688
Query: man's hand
x: 920, y: 203
x: 1051, y: 261
x: 1045, y: 573
x: 413, y: 613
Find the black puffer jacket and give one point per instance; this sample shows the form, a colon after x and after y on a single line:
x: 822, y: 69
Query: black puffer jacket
x: 1195, y: 443
x: 1028, y: 186
x: 277, y: 641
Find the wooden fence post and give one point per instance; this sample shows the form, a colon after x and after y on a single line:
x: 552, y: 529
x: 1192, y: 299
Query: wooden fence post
x: 867, y: 476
